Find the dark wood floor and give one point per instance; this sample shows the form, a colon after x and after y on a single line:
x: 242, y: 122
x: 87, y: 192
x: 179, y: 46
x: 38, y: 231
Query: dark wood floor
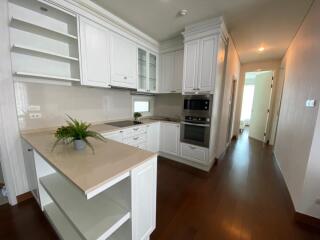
x: 244, y: 197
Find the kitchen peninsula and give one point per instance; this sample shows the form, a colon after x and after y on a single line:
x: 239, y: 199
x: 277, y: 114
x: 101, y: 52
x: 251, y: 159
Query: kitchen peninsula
x: 110, y: 194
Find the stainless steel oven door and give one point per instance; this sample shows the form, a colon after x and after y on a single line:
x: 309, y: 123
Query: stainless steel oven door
x: 195, y: 133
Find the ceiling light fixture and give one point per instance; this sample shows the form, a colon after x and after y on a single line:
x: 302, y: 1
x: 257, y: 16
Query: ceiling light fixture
x: 261, y: 49
x: 183, y: 12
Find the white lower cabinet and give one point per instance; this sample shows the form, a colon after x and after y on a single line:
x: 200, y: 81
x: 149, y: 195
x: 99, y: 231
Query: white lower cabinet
x: 143, y: 186
x: 194, y: 153
x: 169, y: 138
x: 153, y: 137
x: 115, y: 136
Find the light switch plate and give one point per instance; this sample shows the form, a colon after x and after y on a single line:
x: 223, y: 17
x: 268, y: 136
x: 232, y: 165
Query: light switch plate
x: 33, y: 108
x: 311, y: 103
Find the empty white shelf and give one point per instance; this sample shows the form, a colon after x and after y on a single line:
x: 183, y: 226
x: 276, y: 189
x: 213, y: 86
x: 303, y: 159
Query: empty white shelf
x: 61, y: 224
x: 23, y: 21
x: 97, y: 218
x: 28, y: 74
x: 27, y: 48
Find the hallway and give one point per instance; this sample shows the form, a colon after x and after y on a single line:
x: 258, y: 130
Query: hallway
x: 244, y: 197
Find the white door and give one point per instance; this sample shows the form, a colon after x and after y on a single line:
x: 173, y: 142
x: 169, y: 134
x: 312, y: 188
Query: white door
x: 95, y: 54
x: 261, y: 104
x: 124, y: 65
x: 169, y: 138
x: 153, y: 137
x: 207, y: 63
x: 167, y: 72
x: 190, y: 66
x: 144, y: 186
x: 178, y: 71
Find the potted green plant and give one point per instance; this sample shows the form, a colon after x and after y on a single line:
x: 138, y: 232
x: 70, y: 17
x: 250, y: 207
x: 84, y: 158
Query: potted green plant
x: 136, y: 117
x: 76, y: 132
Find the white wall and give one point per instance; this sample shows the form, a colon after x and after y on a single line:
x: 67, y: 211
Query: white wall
x: 232, y: 73
x: 87, y: 104
x: 297, y: 140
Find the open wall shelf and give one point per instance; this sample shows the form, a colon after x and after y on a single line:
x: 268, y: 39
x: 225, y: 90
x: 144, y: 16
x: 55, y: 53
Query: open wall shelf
x: 44, y: 42
x: 43, y: 52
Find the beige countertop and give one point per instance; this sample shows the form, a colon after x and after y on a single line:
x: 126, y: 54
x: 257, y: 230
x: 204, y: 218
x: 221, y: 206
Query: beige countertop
x: 86, y: 170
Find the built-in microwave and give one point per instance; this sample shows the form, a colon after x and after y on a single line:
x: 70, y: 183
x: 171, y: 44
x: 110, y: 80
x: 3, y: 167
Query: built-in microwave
x: 197, y: 105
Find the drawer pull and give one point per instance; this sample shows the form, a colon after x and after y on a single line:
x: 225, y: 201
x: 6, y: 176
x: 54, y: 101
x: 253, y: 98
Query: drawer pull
x: 136, y: 138
x: 191, y: 147
x: 135, y: 129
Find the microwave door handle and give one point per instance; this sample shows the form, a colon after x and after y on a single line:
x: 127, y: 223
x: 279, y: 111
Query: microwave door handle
x: 196, y: 124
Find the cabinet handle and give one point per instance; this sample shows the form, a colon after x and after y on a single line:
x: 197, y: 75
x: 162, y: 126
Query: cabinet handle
x: 135, y: 129
x: 192, y: 147
x: 173, y: 91
x: 125, y: 77
x: 121, y: 131
x: 136, y: 138
x: 30, y: 149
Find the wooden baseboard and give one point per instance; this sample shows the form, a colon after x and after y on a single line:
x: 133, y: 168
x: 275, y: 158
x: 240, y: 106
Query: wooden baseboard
x: 24, y: 197
x: 306, y: 219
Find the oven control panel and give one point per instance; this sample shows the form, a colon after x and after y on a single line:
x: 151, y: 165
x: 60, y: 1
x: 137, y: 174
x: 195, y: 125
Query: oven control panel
x: 196, y: 119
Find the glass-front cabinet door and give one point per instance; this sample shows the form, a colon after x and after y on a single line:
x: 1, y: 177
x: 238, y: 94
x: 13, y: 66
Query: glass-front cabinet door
x: 152, y: 72
x: 142, y: 70
x: 147, y: 71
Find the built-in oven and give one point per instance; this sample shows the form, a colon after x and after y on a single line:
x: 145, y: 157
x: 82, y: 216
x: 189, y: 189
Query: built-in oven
x: 196, y: 120
x: 195, y: 130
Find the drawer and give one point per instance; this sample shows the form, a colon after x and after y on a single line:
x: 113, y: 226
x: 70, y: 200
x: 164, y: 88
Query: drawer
x: 134, y: 131
x: 115, y: 136
x: 194, y: 153
x: 135, y: 139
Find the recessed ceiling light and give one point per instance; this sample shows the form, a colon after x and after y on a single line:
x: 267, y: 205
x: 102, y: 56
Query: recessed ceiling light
x: 261, y: 49
x: 183, y: 12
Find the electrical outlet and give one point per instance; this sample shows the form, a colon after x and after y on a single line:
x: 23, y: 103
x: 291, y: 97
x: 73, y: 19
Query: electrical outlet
x: 33, y: 108
x: 35, y: 115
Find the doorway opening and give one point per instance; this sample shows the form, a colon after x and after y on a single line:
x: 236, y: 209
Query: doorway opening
x: 3, y: 190
x: 256, y: 102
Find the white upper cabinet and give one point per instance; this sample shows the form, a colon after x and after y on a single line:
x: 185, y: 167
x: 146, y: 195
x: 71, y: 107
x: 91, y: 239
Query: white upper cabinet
x: 178, y: 71
x: 171, y: 71
x: 190, y: 66
x: 147, y: 71
x: 207, y: 63
x: 123, y: 62
x: 202, y: 69
x: 95, y: 54
x: 167, y: 72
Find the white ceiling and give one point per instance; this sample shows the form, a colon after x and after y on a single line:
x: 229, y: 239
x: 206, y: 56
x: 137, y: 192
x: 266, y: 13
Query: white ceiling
x: 251, y: 23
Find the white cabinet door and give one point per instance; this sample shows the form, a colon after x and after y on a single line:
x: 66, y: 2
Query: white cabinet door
x: 124, y: 65
x: 190, y: 66
x: 94, y: 53
x: 178, y: 71
x: 144, y: 185
x: 169, y: 138
x: 153, y: 137
x: 207, y: 63
x: 194, y: 153
x: 153, y: 73
x: 167, y: 72
x: 29, y: 162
